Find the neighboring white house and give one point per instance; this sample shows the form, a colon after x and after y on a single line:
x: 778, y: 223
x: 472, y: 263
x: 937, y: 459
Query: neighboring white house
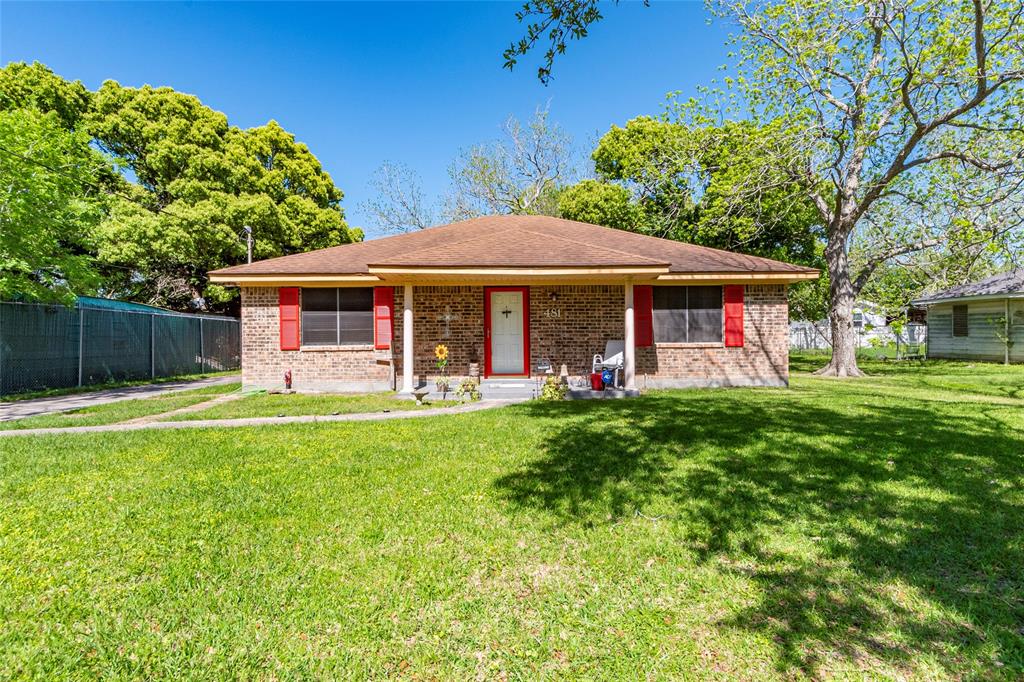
x: 870, y: 322
x: 972, y: 321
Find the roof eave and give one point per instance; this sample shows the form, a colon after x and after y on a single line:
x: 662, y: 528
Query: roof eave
x: 516, y: 271
x: 974, y: 297
x: 283, y: 279
x: 749, y: 277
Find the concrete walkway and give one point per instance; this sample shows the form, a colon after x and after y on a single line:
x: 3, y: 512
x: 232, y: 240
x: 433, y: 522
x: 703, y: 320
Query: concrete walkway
x: 36, y: 406
x: 265, y: 421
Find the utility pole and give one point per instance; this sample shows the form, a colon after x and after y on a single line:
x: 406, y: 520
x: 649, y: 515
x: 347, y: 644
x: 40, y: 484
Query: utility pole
x: 248, y: 243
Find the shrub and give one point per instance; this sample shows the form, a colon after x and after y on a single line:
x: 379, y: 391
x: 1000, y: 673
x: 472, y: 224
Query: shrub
x: 553, y: 389
x: 468, y: 389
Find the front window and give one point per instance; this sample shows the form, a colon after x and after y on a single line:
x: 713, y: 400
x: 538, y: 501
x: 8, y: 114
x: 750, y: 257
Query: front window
x: 688, y: 314
x: 960, y: 324
x: 332, y: 317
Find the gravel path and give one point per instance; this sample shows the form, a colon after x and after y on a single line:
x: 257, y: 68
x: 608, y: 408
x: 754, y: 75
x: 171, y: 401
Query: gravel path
x: 264, y: 421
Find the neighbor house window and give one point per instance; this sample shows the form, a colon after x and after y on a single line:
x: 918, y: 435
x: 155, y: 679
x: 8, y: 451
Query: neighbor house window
x: 332, y: 317
x: 858, y: 321
x: 687, y: 314
x: 960, y: 320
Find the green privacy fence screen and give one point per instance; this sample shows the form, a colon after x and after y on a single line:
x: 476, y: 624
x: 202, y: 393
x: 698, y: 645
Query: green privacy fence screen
x: 53, y: 346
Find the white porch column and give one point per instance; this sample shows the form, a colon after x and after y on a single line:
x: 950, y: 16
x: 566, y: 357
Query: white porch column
x: 629, y: 355
x: 407, y: 347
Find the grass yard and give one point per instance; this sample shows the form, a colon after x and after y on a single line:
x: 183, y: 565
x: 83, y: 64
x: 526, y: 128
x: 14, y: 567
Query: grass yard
x: 295, y: 404
x: 868, y: 528
x: 123, y: 410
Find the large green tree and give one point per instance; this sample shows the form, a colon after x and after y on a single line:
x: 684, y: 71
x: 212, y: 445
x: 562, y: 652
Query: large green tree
x: 189, y: 183
x: 901, y: 107
x: 199, y: 182
x: 602, y: 203
x: 35, y: 86
x: 50, y: 206
x: 670, y: 180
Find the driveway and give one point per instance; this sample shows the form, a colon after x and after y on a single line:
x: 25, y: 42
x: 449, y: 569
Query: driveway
x: 37, y: 406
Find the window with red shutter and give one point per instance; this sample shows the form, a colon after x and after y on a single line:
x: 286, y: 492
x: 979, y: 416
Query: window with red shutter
x: 288, y: 313
x: 383, y: 316
x: 734, y: 315
x: 643, y: 315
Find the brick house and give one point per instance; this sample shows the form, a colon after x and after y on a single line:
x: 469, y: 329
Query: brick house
x: 513, y: 295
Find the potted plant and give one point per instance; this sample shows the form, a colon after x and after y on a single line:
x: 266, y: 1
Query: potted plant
x: 468, y: 390
x: 474, y: 365
x: 443, y: 382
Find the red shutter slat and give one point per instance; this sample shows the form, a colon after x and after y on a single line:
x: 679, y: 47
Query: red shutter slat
x: 643, y: 315
x: 733, y: 315
x: 288, y: 313
x: 383, y: 316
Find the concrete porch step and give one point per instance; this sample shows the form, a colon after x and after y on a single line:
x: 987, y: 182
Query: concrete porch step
x: 494, y: 389
x: 508, y: 388
x: 606, y: 394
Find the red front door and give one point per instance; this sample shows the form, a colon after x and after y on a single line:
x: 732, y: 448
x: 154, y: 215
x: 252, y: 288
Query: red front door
x: 506, y: 331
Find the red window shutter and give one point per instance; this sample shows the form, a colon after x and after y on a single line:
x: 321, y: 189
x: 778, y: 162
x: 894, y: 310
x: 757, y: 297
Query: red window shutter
x: 733, y: 315
x: 383, y: 316
x: 288, y: 312
x: 643, y: 315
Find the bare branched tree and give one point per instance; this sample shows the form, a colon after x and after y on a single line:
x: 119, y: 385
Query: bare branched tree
x: 520, y: 173
x: 399, y: 205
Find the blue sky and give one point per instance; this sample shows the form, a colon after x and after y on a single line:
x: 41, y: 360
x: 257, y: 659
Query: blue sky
x: 362, y: 83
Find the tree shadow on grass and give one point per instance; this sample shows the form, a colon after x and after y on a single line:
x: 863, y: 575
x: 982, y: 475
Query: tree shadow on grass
x: 916, y: 520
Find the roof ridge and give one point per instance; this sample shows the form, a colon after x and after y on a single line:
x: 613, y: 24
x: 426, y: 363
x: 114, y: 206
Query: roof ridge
x: 597, y: 246
x: 453, y: 243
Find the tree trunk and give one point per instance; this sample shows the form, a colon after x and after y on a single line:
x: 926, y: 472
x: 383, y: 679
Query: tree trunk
x: 840, y: 311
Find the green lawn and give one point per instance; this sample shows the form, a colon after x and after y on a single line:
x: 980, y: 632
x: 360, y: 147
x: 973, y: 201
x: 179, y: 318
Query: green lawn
x: 868, y: 528
x: 112, y: 413
x: 293, y: 404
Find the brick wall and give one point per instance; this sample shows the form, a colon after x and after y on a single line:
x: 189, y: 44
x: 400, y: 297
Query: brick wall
x: 328, y: 368
x: 568, y: 324
x: 763, y: 360
x: 453, y: 316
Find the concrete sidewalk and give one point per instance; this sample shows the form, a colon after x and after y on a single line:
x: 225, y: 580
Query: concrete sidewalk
x: 36, y: 406
x: 264, y: 421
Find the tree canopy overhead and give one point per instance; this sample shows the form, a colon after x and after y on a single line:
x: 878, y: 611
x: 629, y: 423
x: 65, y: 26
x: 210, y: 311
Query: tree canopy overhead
x: 34, y: 86
x: 50, y: 206
x: 200, y: 181
x: 189, y: 183
x: 671, y: 180
x: 911, y: 113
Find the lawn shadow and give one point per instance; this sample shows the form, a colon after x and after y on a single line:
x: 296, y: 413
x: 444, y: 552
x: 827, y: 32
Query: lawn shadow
x: 734, y: 472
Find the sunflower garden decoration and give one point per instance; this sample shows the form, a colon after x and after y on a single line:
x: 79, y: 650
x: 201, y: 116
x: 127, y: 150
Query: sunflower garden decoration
x: 443, y: 382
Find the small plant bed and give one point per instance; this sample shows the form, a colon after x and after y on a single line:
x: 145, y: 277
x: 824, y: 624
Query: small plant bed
x: 302, y: 404
x: 114, y: 413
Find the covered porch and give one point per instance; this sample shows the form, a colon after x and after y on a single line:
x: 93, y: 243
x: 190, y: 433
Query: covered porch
x: 506, y: 334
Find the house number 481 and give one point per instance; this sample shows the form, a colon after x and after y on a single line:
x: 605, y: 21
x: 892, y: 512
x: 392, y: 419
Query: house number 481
x: 553, y: 312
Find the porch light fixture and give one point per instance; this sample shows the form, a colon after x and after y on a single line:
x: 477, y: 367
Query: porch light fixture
x: 553, y: 295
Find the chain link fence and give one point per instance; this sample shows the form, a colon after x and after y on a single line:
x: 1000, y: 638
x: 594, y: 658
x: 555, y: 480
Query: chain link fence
x: 53, y: 346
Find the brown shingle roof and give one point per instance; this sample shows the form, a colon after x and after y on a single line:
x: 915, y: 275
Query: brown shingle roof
x: 514, y: 242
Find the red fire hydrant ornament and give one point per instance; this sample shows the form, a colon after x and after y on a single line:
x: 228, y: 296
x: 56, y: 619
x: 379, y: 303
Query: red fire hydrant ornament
x: 288, y: 379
